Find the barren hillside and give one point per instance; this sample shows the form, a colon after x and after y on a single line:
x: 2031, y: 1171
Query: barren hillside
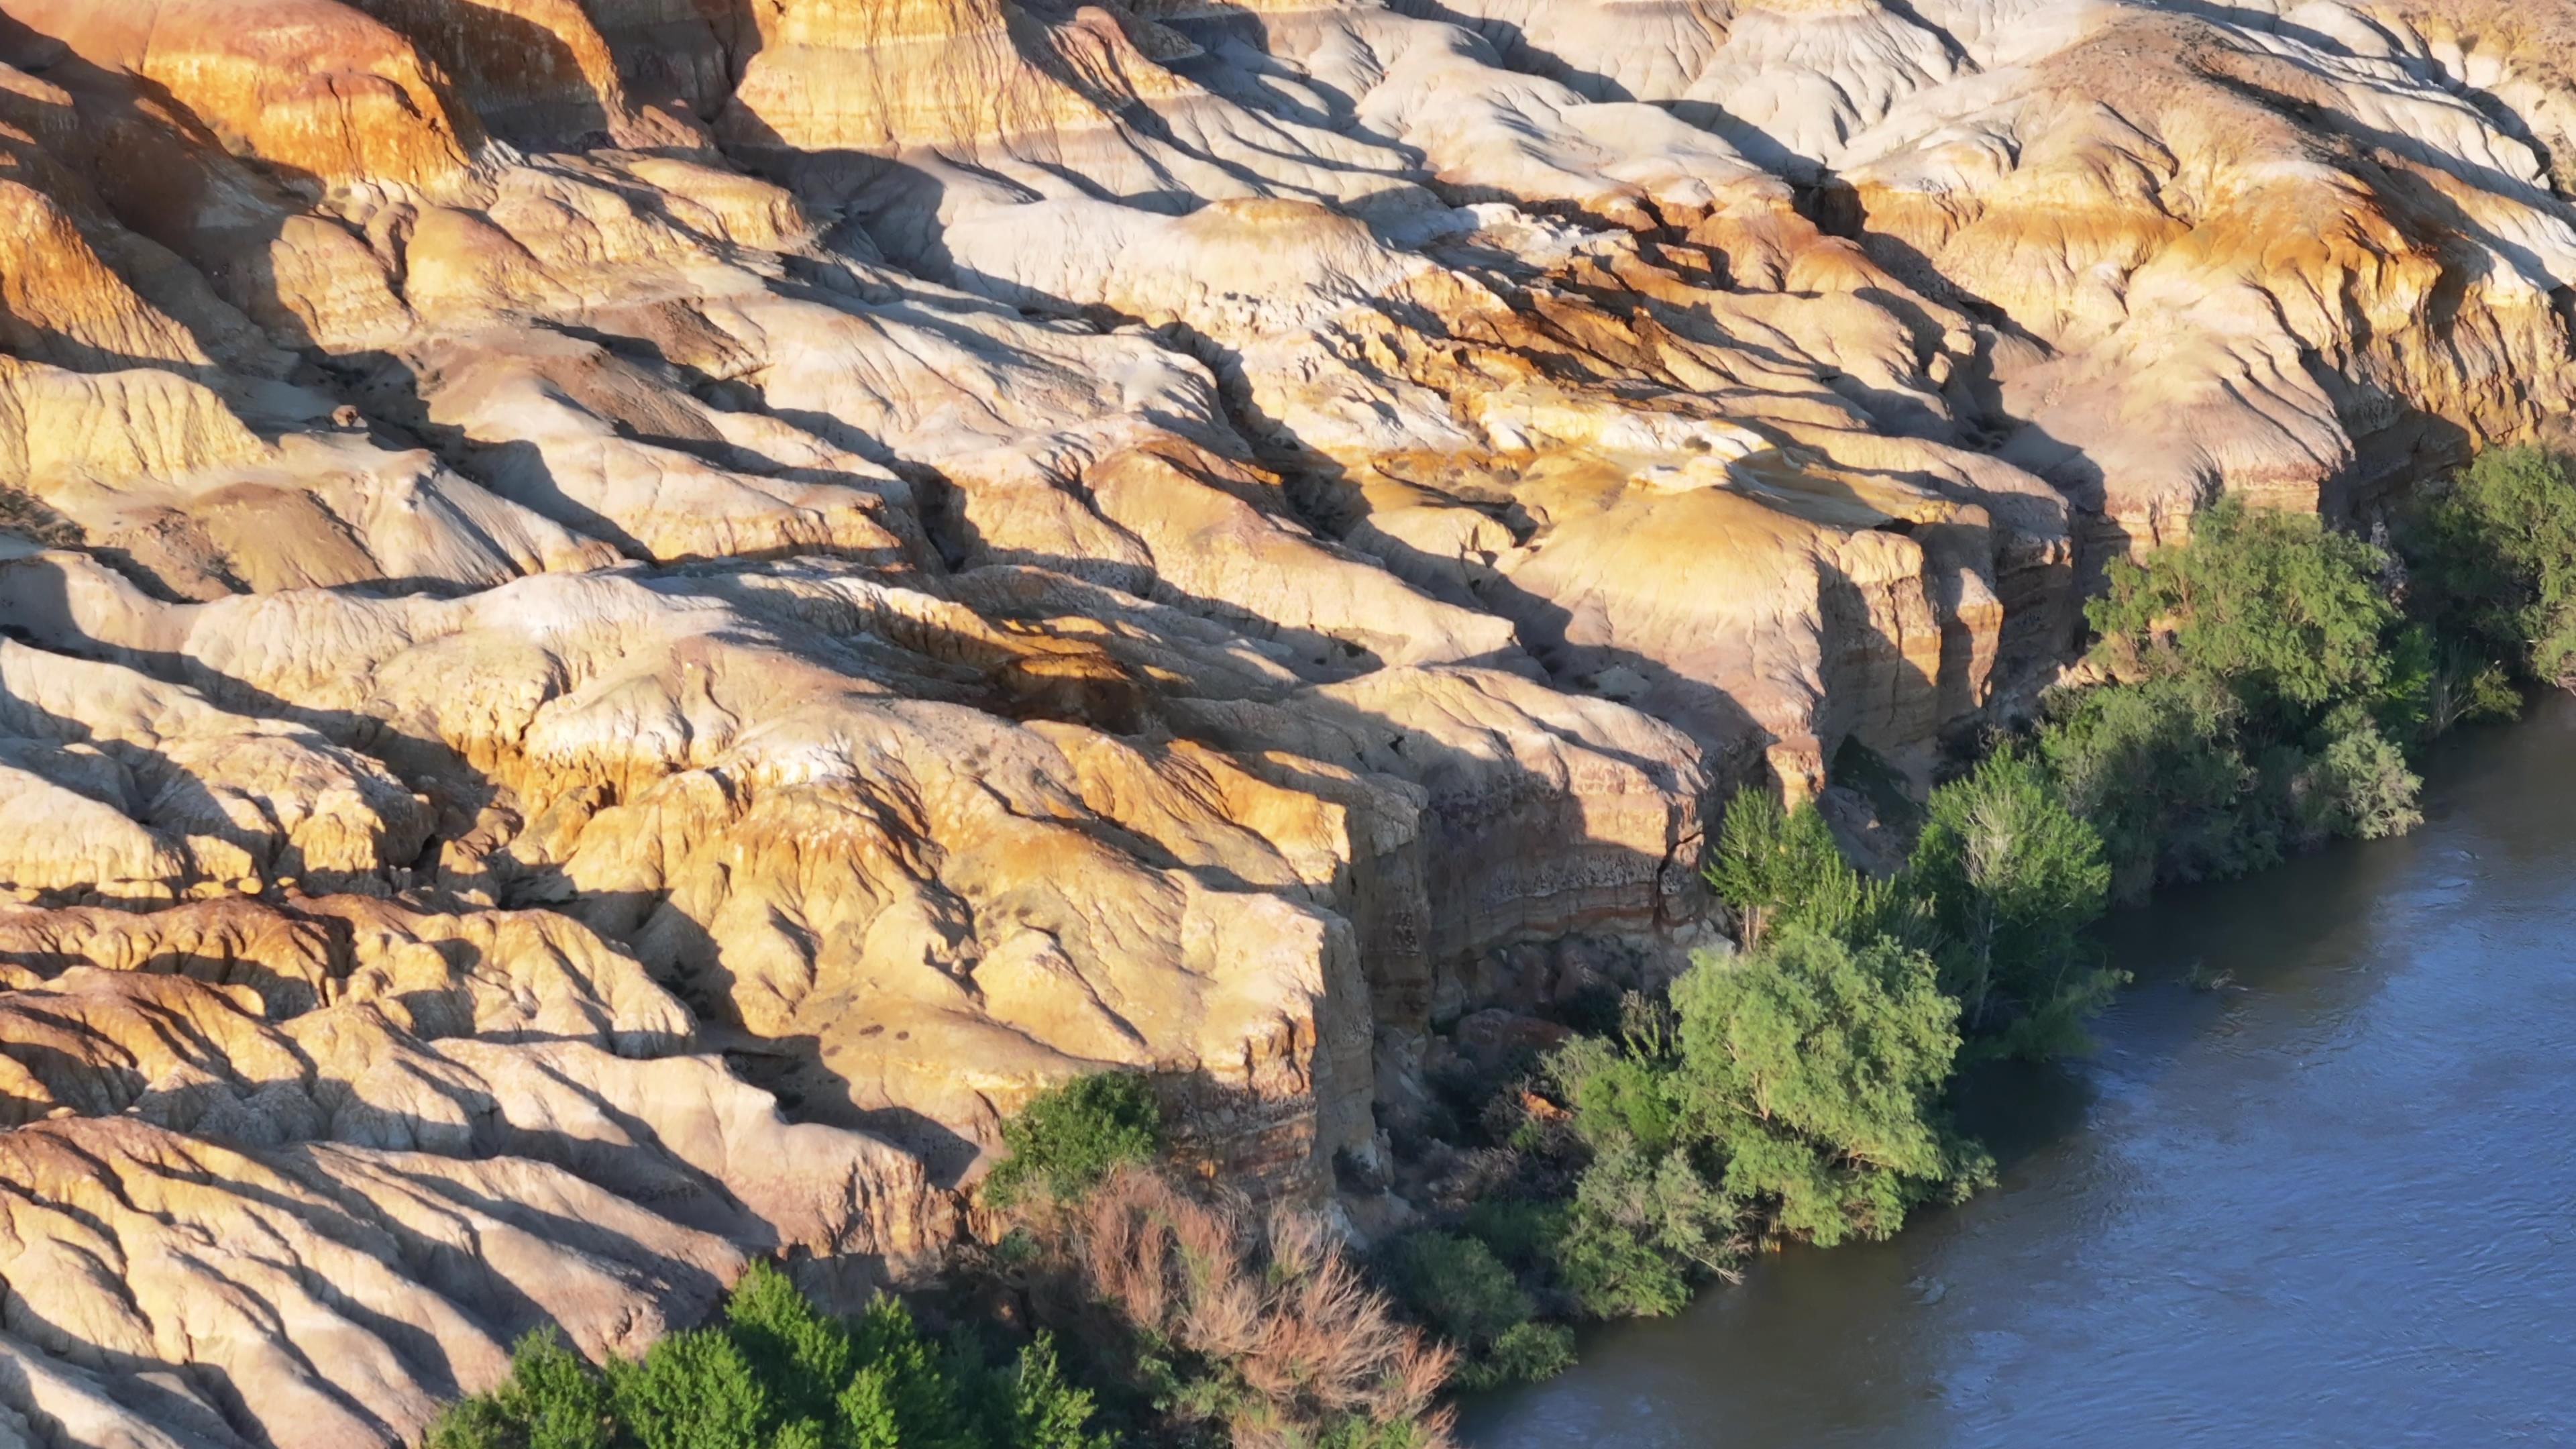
x: 628, y: 618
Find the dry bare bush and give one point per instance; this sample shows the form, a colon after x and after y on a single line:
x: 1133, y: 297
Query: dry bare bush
x: 1291, y: 1344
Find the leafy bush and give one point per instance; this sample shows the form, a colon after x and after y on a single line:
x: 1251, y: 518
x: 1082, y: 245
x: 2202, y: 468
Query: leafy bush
x: 2494, y: 561
x: 2362, y: 787
x: 2156, y: 769
x: 691, y: 1391
x: 551, y: 1400
x: 1614, y: 1272
x: 1046, y: 1411
x: 2289, y: 615
x: 2268, y: 687
x: 1068, y: 1138
x: 1458, y: 1286
x: 778, y: 1373
x: 1526, y: 1353
x: 1619, y: 1096
x: 2011, y: 878
x: 1815, y: 1068
x: 803, y: 1357
x: 1640, y: 1225
x: 1523, y: 1232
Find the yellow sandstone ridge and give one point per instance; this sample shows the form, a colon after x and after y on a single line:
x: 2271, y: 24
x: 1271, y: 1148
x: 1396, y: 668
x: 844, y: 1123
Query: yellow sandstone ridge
x: 623, y: 622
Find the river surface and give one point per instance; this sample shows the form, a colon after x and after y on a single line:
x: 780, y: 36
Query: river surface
x: 2332, y: 1202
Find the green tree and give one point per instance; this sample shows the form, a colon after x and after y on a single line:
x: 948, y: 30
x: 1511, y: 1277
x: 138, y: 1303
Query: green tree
x: 1457, y: 1286
x: 1047, y: 1412
x: 777, y: 1373
x: 1631, y: 1205
x: 2270, y: 684
x: 1068, y: 1138
x: 1618, y: 1095
x: 692, y: 1390
x: 2012, y: 878
x: 866, y: 1408
x: 2494, y: 558
x: 1815, y: 1067
x: 1465, y: 1293
x: 2370, y: 793
x: 550, y: 1401
x: 802, y: 1355
x: 2156, y: 768
x: 920, y: 1391
x: 1778, y: 868
x: 1613, y: 1270
x: 1526, y: 1353
x: 2292, y: 616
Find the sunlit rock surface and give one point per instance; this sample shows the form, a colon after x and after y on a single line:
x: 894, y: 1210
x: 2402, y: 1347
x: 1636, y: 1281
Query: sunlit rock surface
x: 628, y: 619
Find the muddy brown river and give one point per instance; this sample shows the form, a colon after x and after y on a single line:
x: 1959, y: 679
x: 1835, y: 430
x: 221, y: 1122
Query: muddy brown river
x: 2331, y: 1202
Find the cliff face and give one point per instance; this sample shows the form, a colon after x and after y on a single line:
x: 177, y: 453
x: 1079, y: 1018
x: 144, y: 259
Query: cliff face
x: 629, y: 618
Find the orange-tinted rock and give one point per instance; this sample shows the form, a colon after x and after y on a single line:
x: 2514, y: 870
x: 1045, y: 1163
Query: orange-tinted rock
x: 573, y: 565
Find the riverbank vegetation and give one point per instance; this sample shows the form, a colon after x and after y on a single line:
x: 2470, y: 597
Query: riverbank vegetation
x: 776, y: 1373
x: 1116, y: 1307
x: 2252, y: 693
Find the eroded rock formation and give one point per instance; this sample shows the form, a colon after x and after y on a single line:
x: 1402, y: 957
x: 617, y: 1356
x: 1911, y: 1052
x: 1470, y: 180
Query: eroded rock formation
x: 629, y: 618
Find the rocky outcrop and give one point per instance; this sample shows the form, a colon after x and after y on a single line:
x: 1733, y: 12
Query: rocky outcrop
x: 326, y: 1157
x: 629, y: 619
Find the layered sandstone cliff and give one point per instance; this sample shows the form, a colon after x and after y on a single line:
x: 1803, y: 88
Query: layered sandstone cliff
x: 627, y: 619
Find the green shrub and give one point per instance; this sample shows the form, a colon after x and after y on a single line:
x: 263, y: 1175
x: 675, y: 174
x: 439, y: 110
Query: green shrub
x: 2012, y: 878
x: 803, y: 1355
x: 1631, y: 1205
x: 2494, y: 561
x: 777, y: 1373
x: 1359, y: 1431
x: 1526, y: 1353
x: 921, y: 1389
x: 2269, y: 686
x: 1613, y: 1271
x: 1047, y: 1412
x: 1458, y: 1286
x: 866, y: 1406
x: 2289, y: 615
x: 2466, y: 686
x: 1068, y: 1138
x: 2156, y: 769
x: 550, y: 1401
x: 2363, y: 786
x: 1779, y: 869
x: 1815, y: 1068
x: 1618, y: 1096
x: 691, y: 1391
x: 1520, y: 1231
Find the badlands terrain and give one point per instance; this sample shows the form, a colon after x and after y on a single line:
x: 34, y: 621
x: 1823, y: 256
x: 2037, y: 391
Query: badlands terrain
x: 626, y: 619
